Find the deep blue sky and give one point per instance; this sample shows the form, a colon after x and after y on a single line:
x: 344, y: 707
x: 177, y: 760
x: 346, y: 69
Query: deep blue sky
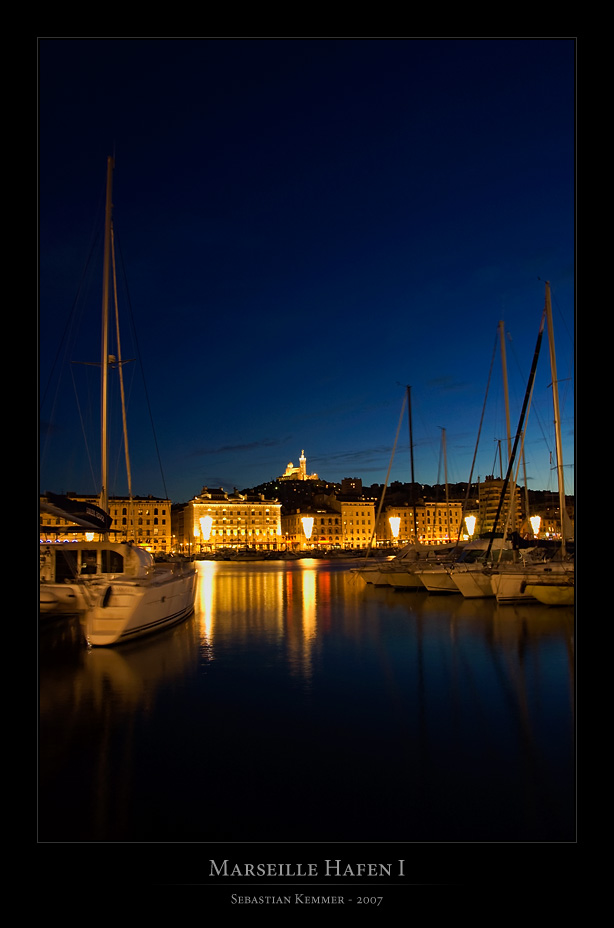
x: 306, y: 226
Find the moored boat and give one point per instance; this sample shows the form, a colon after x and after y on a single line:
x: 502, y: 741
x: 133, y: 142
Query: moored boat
x: 552, y: 591
x: 117, y: 590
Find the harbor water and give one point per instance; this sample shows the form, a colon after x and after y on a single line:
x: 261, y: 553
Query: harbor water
x: 299, y: 704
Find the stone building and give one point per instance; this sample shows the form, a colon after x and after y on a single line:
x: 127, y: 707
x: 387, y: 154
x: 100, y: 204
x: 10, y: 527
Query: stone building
x: 214, y: 520
x: 143, y: 520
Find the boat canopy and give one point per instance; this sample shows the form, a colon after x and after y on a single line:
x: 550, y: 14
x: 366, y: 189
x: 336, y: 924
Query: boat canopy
x: 84, y: 514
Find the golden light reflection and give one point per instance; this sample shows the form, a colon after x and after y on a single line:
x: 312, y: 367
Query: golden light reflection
x: 206, y: 576
x: 309, y: 604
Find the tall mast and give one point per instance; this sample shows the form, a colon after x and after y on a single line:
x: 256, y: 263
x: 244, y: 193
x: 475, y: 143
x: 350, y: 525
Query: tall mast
x: 445, y: 474
x: 507, y: 403
x: 557, y: 418
x: 104, y: 493
x: 520, y: 428
x: 505, y: 389
x: 411, y: 455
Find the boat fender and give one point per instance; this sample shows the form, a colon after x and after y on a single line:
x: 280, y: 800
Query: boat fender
x: 106, y: 597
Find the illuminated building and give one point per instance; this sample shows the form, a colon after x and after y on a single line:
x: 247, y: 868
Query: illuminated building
x: 215, y: 520
x: 396, y: 526
x: 318, y: 528
x: 490, y: 494
x: 298, y: 473
x: 143, y: 520
x: 436, y: 524
x: 336, y: 523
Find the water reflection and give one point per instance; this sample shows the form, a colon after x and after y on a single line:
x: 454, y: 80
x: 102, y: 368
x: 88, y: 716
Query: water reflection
x: 298, y: 704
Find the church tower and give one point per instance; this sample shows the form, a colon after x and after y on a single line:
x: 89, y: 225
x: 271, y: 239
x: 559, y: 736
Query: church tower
x: 303, y: 466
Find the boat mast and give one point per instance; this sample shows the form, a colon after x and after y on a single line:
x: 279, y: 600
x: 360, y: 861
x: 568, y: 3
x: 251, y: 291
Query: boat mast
x: 519, y: 429
x: 445, y: 475
x: 557, y: 418
x: 411, y: 455
x: 507, y: 403
x: 120, y: 368
x: 104, y: 493
x: 505, y: 389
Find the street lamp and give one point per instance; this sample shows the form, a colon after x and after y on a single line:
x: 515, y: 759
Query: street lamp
x: 536, y: 522
x: 307, y: 526
x: 395, y: 525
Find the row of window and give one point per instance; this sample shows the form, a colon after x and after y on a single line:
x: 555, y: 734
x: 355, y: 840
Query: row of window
x: 140, y: 512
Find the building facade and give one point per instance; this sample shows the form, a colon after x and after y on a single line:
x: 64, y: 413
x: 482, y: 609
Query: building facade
x: 489, y: 497
x: 215, y: 520
x: 337, y: 523
x: 145, y: 521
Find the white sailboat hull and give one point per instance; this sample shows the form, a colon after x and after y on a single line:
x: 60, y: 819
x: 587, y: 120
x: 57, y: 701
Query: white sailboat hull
x: 438, y: 580
x: 372, y: 573
x: 117, y: 590
x: 58, y: 599
x: 405, y: 579
x: 551, y: 593
x: 123, y: 610
x: 473, y: 583
x: 512, y: 586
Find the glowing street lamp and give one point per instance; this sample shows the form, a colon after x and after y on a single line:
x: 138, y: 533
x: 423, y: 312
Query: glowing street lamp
x: 205, y: 527
x: 470, y: 523
x: 307, y: 526
x: 395, y: 525
x: 536, y: 522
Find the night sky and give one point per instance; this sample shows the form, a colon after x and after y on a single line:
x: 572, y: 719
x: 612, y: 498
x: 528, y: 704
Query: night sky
x: 305, y: 227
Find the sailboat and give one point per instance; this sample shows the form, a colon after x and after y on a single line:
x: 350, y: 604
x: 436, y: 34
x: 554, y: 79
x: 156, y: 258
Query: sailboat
x: 117, y: 589
x: 551, y: 582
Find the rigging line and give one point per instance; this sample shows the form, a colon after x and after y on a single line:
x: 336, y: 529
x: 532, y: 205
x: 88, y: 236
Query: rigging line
x: 477, y: 442
x: 138, y: 351
x: 71, y: 315
x: 120, y: 364
x: 381, y: 502
x: 518, y: 431
x: 535, y: 409
x: 83, y: 430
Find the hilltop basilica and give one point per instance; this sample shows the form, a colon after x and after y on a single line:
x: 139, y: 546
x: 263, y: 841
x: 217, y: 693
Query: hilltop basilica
x: 300, y: 472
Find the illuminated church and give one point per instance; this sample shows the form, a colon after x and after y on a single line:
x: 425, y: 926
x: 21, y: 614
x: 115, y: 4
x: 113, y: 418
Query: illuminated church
x: 300, y: 472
